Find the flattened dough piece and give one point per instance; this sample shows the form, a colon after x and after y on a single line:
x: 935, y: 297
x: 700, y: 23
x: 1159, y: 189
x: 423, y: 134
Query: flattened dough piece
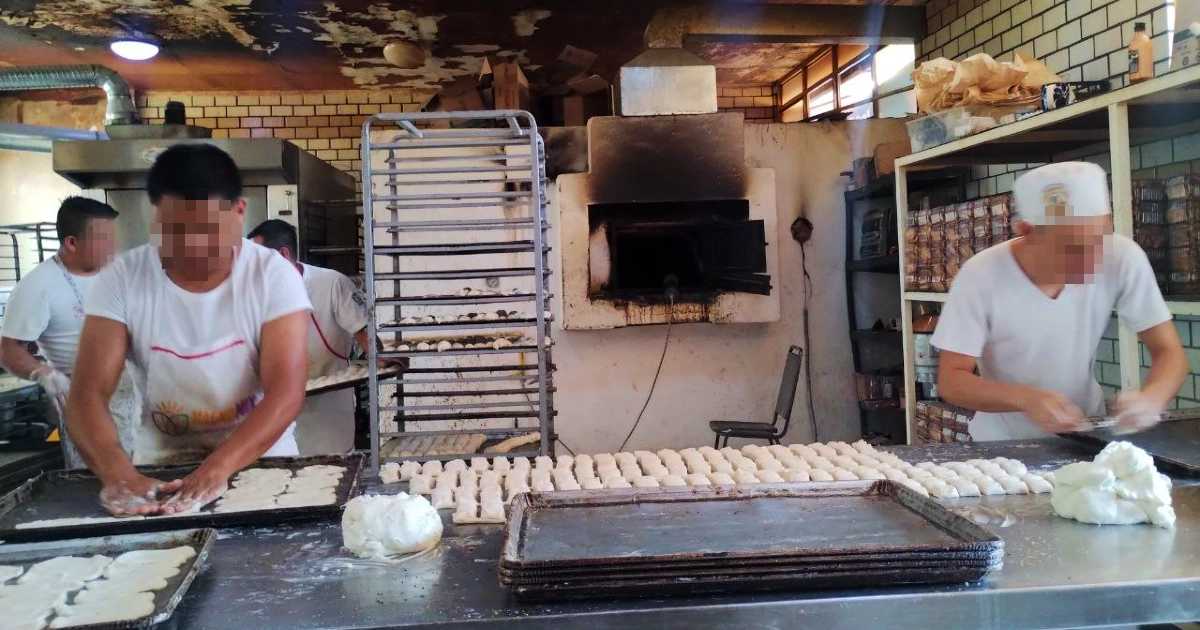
x: 321, y: 470
x: 513, y: 442
x: 306, y: 499
x: 128, y: 607
x: 66, y: 570
x: 8, y: 572
x: 174, y: 556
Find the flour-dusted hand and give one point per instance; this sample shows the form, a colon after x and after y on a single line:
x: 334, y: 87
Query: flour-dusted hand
x: 136, y: 494
x: 1136, y: 411
x: 1052, y: 411
x: 56, y: 384
x: 200, y: 488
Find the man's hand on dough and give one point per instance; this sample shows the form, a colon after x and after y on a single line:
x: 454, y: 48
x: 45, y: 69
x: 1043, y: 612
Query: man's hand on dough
x: 200, y: 488
x: 1136, y: 411
x: 136, y: 494
x: 1052, y: 411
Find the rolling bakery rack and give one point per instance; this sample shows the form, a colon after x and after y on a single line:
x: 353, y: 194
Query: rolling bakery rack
x: 456, y: 279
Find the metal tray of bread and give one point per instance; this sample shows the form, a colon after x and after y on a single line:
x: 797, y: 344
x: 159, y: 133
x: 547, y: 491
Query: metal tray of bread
x: 75, y: 494
x: 165, y: 600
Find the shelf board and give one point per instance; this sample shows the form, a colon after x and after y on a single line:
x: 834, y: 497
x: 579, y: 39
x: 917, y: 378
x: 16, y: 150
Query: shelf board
x: 1154, y: 107
x: 924, y: 296
x: 885, y: 187
x: 881, y: 264
x: 875, y: 335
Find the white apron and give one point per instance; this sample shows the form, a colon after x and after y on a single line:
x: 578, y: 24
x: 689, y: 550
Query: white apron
x: 196, y: 395
x: 327, y: 423
x: 125, y: 406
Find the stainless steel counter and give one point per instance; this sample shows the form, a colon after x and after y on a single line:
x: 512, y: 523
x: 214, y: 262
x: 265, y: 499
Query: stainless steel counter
x: 1057, y: 574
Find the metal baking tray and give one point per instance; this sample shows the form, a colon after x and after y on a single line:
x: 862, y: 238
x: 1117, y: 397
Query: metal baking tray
x: 1174, y: 444
x: 742, y: 583
x: 650, y: 542
x: 165, y: 600
x: 74, y: 494
x: 383, y: 374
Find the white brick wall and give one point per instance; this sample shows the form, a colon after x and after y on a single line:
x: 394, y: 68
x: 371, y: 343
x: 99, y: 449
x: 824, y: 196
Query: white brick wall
x: 1078, y: 39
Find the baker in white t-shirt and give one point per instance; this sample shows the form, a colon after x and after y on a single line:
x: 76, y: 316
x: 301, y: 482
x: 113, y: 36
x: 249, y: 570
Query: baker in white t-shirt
x: 216, y: 324
x: 46, y: 308
x: 1030, y: 313
x: 337, y: 321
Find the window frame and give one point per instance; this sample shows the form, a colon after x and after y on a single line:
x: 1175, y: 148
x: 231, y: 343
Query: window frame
x: 840, y: 67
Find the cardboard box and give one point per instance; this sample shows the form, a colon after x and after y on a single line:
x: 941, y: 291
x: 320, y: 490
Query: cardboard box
x: 1186, y: 49
x: 588, y: 84
x: 510, y: 88
x: 886, y: 154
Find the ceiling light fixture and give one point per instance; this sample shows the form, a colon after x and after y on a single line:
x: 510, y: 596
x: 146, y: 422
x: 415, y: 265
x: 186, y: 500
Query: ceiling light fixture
x: 133, y: 49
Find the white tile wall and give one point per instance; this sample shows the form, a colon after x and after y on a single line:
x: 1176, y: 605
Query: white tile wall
x: 1078, y: 39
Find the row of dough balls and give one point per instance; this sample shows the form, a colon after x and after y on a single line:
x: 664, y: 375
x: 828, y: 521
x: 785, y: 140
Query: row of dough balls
x: 494, y: 316
x: 351, y: 373
x: 444, y: 345
x: 708, y: 466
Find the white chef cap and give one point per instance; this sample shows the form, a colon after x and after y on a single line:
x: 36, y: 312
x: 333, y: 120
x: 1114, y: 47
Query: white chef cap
x: 1049, y: 194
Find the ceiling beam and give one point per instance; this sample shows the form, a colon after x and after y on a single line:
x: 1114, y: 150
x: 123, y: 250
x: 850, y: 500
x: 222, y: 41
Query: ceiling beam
x: 797, y: 24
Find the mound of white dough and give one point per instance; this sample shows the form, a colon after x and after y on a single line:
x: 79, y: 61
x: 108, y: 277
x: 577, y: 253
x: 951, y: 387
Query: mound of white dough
x: 1120, y: 487
x: 378, y: 526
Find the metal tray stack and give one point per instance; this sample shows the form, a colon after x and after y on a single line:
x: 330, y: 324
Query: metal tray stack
x: 655, y: 542
x: 456, y: 256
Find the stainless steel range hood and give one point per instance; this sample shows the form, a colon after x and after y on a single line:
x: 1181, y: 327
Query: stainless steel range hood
x: 125, y: 163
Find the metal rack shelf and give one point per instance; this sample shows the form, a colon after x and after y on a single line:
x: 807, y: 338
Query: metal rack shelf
x: 434, y: 199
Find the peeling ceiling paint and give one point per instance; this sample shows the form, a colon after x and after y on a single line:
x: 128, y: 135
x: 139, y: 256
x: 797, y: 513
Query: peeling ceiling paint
x: 525, y: 22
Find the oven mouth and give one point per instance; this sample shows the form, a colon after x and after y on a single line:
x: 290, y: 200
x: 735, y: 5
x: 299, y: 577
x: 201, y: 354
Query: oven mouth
x: 688, y: 251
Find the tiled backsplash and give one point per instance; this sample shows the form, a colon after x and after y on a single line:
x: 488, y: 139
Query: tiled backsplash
x: 326, y: 124
x: 1108, y: 372
x: 1081, y: 40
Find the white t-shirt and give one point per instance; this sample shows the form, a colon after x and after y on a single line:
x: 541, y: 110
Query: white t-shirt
x: 995, y: 313
x: 339, y: 311
x: 44, y: 308
x: 173, y: 329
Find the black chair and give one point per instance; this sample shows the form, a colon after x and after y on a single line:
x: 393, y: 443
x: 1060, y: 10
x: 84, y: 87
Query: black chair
x: 769, y: 431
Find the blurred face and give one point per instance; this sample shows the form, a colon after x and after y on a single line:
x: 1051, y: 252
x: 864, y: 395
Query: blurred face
x: 196, y: 235
x: 98, y: 245
x: 1071, y: 253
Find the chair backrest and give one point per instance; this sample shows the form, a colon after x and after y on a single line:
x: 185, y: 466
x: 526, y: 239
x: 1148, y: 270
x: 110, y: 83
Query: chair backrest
x: 787, y: 388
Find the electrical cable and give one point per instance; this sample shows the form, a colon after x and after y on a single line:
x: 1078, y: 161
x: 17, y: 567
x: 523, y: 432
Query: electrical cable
x: 808, y: 382
x: 564, y: 445
x: 654, y: 383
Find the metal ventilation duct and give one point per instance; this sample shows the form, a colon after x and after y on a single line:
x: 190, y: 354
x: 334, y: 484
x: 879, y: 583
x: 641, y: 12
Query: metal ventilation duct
x: 120, y: 110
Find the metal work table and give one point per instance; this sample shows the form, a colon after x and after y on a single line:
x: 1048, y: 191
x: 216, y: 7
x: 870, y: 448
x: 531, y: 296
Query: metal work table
x: 1057, y: 574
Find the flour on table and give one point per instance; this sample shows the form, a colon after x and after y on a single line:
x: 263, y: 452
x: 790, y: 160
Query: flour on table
x: 8, y: 572
x: 70, y: 522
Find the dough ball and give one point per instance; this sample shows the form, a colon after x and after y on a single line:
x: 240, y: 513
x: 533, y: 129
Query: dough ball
x: 891, y: 474
x: 673, y: 481
x: 720, y: 479
x: 841, y: 474
x: 818, y: 474
x: 1012, y: 485
x: 742, y: 476
x: 864, y: 472
x: 768, y: 476
x: 1011, y: 466
x: 1036, y: 484
x: 965, y: 488
x: 697, y: 480
x: 378, y: 526
x: 987, y: 485
x: 915, y: 487
x: 645, y: 482
x: 794, y: 475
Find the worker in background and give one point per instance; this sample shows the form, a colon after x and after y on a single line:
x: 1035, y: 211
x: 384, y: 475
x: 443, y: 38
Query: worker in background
x: 337, y: 321
x: 214, y: 322
x: 1030, y: 313
x: 46, y: 308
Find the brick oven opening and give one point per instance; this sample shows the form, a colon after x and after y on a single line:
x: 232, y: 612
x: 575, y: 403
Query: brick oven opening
x: 700, y: 248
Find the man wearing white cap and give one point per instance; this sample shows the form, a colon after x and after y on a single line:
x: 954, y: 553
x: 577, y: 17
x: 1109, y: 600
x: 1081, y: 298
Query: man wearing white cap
x: 1031, y: 311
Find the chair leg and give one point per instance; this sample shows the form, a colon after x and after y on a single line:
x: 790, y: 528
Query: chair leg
x: 717, y: 441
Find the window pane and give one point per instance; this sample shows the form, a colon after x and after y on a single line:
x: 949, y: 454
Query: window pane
x: 857, y: 85
x: 795, y: 113
x: 862, y: 112
x: 791, y: 88
x: 820, y: 69
x: 894, y: 66
x: 847, y: 53
x: 898, y: 105
x: 820, y: 100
